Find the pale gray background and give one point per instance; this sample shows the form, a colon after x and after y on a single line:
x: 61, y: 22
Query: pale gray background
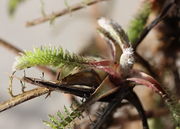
x: 70, y: 31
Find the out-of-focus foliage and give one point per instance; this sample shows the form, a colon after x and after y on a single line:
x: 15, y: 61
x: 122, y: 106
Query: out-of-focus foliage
x: 62, y: 120
x: 156, y: 123
x: 12, y: 5
x: 137, y: 24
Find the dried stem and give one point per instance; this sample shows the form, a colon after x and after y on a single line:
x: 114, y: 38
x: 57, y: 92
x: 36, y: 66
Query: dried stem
x: 23, y: 97
x: 10, y: 47
x: 28, y: 94
x: 62, y: 12
x: 18, y: 99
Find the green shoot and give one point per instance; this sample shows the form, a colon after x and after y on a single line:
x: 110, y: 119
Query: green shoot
x: 49, y: 56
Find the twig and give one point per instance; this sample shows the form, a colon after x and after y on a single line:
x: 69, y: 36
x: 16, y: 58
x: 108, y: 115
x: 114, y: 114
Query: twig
x: 22, y: 98
x: 28, y: 94
x: 62, y: 12
x: 10, y: 47
x: 159, y: 18
x: 66, y: 88
x: 17, y: 51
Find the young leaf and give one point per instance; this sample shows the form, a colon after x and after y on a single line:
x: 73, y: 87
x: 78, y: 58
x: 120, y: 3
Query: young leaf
x: 118, y: 39
x: 58, y: 58
x: 49, y: 56
x: 62, y: 120
x: 115, y: 32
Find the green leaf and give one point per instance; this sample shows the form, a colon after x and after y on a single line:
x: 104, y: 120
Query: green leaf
x: 63, y: 120
x: 49, y: 56
x: 156, y: 123
x: 173, y: 105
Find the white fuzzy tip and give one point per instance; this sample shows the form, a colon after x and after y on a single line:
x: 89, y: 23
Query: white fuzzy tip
x: 104, y: 23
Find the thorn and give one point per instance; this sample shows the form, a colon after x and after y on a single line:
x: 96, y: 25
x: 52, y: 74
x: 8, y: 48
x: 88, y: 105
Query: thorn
x: 22, y: 86
x: 42, y: 76
x: 48, y: 94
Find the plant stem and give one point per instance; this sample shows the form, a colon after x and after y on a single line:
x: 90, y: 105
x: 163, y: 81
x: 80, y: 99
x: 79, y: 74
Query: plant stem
x: 65, y: 11
x: 22, y: 98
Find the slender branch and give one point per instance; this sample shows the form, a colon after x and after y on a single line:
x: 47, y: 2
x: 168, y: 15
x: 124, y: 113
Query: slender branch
x: 62, y: 12
x: 17, y: 51
x: 10, y: 47
x: 158, y: 19
x: 22, y: 98
x: 18, y: 99
x: 28, y: 94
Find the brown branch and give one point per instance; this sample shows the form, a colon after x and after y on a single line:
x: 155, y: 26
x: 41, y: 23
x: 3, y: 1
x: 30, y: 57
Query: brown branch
x: 18, y: 99
x: 10, y: 47
x: 17, y: 51
x: 38, y: 91
x: 62, y: 12
x: 28, y: 94
x: 23, y: 97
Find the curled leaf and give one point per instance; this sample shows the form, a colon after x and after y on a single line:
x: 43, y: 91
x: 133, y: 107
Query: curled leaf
x: 171, y: 102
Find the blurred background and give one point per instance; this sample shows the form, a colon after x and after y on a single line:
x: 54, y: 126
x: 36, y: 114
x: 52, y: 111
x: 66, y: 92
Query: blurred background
x: 73, y: 32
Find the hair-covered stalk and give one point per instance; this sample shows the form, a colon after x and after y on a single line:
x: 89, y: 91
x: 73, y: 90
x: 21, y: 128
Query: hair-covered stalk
x: 115, y: 47
x: 114, y: 32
